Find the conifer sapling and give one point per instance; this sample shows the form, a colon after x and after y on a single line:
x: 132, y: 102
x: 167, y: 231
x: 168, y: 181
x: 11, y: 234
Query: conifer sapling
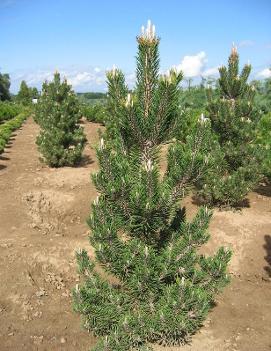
x: 61, y: 140
x: 159, y: 288
x: 234, y: 120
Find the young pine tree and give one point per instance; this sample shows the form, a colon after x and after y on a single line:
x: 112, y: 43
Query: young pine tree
x: 159, y: 288
x: 61, y: 140
x: 264, y: 139
x: 34, y: 93
x: 234, y: 119
x: 24, y: 95
x: 4, y: 87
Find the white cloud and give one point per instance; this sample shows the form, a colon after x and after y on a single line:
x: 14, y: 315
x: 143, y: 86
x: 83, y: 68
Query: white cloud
x: 100, y: 80
x: 245, y: 43
x: 82, y: 79
x: 192, y: 66
x: 265, y: 73
x: 36, y: 78
x: 212, y: 71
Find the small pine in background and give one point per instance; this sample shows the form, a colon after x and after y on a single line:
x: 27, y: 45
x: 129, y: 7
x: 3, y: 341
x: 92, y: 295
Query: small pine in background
x: 234, y: 121
x: 61, y: 140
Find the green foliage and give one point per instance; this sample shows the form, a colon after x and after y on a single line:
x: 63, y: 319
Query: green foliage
x: 187, y: 122
x: 35, y: 93
x: 61, y: 140
x: 163, y: 288
x: 8, y: 110
x: 193, y: 98
x: 117, y: 94
x: 26, y: 94
x: 263, y: 94
x: 234, y: 121
x: 9, y: 126
x: 264, y: 139
x: 94, y: 112
x: 4, y: 87
x: 92, y: 96
x: 192, y: 103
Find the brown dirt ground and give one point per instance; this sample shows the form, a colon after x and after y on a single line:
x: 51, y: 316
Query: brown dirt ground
x: 43, y: 215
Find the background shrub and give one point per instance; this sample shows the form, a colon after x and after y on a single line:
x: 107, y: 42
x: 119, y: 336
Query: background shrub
x: 61, y: 140
x: 9, y: 126
x: 234, y: 120
x: 95, y: 112
x: 9, y: 110
x: 264, y: 139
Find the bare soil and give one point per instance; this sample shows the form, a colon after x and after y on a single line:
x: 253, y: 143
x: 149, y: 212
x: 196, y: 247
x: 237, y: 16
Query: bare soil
x: 43, y: 216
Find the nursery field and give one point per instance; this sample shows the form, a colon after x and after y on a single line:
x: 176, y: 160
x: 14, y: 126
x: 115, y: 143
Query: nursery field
x: 43, y: 220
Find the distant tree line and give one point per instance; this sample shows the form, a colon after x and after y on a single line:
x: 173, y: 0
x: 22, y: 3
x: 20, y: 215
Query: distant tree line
x: 92, y: 95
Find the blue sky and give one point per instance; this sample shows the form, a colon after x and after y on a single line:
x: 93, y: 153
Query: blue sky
x: 82, y: 39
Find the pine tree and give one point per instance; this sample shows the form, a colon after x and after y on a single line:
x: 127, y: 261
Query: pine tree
x: 61, y: 140
x: 34, y: 93
x: 264, y: 139
x: 234, y: 120
x: 24, y: 95
x: 159, y: 289
x: 4, y: 87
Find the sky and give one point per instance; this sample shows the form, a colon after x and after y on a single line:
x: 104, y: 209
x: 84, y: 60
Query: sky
x: 82, y: 39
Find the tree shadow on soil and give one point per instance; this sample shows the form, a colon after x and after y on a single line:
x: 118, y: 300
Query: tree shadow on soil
x: 267, y: 247
x: 264, y: 189
x: 199, y: 201
x: 8, y: 146
x: 2, y: 167
x: 4, y: 158
x: 9, y: 143
x: 85, y: 161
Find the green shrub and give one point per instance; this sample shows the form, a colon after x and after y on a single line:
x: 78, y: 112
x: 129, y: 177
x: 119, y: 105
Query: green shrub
x: 61, y: 140
x: 94, y: 112
x: 263, y: 95
x: 234, y: 120
x: 9, y: 110
x: 26, y: 94
x: 187, y: 121
x: 8, y: 127
x: 264, y: 139
x: 4, y: 87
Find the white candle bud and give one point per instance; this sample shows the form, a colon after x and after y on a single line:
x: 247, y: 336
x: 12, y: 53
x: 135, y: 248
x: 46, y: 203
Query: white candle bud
x: 149, y: 166
x: 149, y: 31
x: 129, y: 101
x: 153, y: 30
x: 146, y: 251
x: 102, y: 144
x: 114, y: 70
x: 96, y: 201
x: 79, y: 251
x: 202, y: 118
